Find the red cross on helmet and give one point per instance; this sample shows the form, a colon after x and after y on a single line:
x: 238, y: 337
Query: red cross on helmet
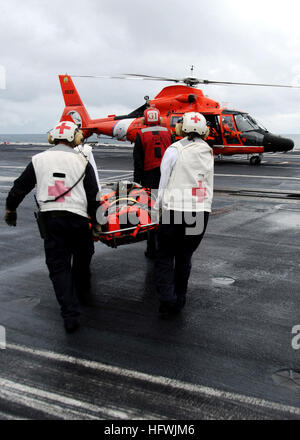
x: 152, y: 116
x: 65, y: 131
x: 194, y: 122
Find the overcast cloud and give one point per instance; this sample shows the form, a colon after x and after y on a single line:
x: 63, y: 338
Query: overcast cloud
x: 227, y: 40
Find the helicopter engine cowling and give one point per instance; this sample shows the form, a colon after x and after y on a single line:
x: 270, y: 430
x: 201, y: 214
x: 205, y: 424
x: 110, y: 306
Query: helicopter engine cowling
x: 189, y: 99
x: 186, y: 98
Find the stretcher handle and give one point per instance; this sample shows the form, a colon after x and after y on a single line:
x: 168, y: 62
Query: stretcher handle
x: 123, y: 198
x: 129, y: 229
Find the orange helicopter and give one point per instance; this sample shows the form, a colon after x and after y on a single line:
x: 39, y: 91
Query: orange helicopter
x: 231, y: 131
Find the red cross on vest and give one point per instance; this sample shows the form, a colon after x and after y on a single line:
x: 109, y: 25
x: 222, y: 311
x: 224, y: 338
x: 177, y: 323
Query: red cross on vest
x: 63, y: 127
x: 58, y: 188
x: 199, y: 192
x: 196, y: 119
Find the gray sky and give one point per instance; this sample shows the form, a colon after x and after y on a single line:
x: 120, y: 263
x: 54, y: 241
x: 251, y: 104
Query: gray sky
x: 227, y: 40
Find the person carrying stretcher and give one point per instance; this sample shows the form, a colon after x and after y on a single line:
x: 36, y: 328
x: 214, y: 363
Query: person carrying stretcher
x: 150, y: 145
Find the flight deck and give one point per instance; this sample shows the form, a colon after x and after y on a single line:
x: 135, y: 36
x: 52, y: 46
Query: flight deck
x: 231, y: 354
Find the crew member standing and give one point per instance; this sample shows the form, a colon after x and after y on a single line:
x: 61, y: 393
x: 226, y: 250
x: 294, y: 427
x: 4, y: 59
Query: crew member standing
x: 185, y: 198
x: 150, y: 145
x: 66, y: 191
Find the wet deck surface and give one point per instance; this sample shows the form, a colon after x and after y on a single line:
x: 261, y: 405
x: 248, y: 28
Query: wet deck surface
x: 216, y: 360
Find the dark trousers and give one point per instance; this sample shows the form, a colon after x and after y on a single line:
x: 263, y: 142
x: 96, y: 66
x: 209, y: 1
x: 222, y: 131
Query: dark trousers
x: 176, y: 245
x: 69, y: 248
x: 151, y: 180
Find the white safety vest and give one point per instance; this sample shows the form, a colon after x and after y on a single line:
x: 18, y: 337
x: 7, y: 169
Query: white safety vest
x: 190, y: 186
x: 56, y: 170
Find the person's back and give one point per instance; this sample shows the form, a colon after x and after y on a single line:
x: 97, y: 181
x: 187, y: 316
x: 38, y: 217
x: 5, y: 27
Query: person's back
x: 67, y: 197
x: 185, y: 197
x: 192, y: 174
x: 56, y: 170
x: 149, y: 149
x: 150, y: 146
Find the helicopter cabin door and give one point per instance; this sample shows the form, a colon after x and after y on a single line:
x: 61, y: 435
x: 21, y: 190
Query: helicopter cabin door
x: 229, y: 131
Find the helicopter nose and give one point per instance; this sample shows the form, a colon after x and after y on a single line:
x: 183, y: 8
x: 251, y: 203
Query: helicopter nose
x: 274, y: 143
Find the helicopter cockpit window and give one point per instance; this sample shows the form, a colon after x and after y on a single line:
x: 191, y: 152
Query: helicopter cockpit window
x: 258, y: 124
x: 229, y: 131
x: 244, y: 122
x: 228, y: 122
x: 174, y: 120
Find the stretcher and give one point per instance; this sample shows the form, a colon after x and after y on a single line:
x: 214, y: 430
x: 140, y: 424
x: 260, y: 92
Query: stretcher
x: 126, y: 213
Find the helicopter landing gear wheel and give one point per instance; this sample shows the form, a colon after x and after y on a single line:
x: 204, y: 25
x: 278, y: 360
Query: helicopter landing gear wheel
x: 255, y: 160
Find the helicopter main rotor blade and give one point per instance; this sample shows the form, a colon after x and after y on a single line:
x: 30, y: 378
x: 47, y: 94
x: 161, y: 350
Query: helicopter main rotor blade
x: 97, y: 76
x: 127, y: 76
x: 195, y: 81
x: 191, y: 81
x: 150, y: 77
x: 206, y: 81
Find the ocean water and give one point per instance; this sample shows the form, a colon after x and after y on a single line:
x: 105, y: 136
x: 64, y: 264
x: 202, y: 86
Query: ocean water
x: 42, y: 138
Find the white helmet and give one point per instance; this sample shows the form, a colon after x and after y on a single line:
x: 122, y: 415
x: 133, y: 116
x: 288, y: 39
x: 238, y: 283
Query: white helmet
x: 194, y: 122
x: 65, y: 131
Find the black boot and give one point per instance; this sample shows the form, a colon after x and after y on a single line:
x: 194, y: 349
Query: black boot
x: 150, y: 254
x: 71, y: 324
x: 180, y: 303
x: 167, y: 308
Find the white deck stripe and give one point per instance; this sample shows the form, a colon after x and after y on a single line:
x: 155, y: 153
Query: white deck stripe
x: 251, y: 176
x: 12, y: 166
x: 160, y: 380
x: 114, y: 171
x: 117, y: 177
x: 7, y: 178
x: 20, y: 397
x: 56, y: 403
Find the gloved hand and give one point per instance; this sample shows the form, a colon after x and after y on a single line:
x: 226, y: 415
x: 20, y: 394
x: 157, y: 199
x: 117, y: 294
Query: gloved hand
x: 96, y: 230
x: 10, y: 217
